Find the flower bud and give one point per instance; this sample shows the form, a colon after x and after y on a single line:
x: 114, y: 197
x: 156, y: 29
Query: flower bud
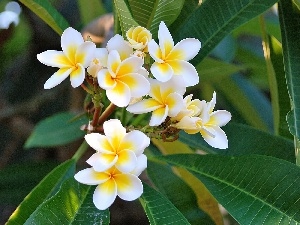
x: 139, y: 37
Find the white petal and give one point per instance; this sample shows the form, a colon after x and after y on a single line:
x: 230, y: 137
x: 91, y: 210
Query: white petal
x: 114, y: 127
x: 188, y: 123
x: 135, y: 141
x: 220, y: 118
x: 113, y: 62
x: 57, y: 78
x: 159, y: 116
x: 102, y: 161
x: 129, y: 186
x: 130, y: 65
x: 8, y: 17
x: 126, y: 161
x: 175, y: 84
x: 155, y: 51
x: 85, y: 53
x: 90, y: 177
x: 144, y: 106
x: 98, y: 142
x: 105, y: 194
x: 77, y: 76
x: 186, y: 49
x: 175, y: 104
x: 165, y: 39
x: 162, y: 71
x: 13, y: 7
x: 70, y: 41
x: 105, y: 80
x: 138, y: 84
x: 186, y: 70
x: 212, y: 103
x: 119, y: 95
x: 218, y: 140
x: 118, y: 43
x: 54, y: 58
x: 141, y: 165
x: 101, y: 54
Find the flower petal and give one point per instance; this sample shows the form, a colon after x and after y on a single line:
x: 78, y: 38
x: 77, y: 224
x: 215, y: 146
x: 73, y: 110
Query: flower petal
x: 138, y: 84
x: 155, y: 51
x: 71, y: 39
x: 165, y: 39
x: 113, y: 62
x: 217, y: 140
x: 130, y: 65
x: 175, y: 104
x: 101, y: 54
x: 129, y: 186
x: 162, y: 71
x: 77, y: 76
x: 185, y: 50
x: 159, y: 116
x: 113, y: 128
x: 101, y: 161
x: 135, y: 141
x: 126, y: 161
x: 186, y: 70
x: 220, y: 118
x: 13, y: 7
x: 188, y: 124
x: 105, y: 80
x: 105, y: 194
x: 57, y: 78
x: 140, y: 166
x: 118, y: 43
x: 119, y: 95
x: 8, y: 17
x: 54, y: 58
x: 99, y: 142
x: 85, y: 53
x: 144, y: 106
x: 90, y: 177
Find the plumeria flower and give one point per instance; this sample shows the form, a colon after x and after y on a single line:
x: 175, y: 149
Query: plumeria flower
x: 122, y: 79
x: 99, y: 62
x: 166, y: 100
x: 208, y: 123
x: 10, y: 15
x: 138, y: 37
x: 172, y: 60
x: 116, y: 148
x: 75, y: 56
x: 118, y: 43
x: 113, y: 182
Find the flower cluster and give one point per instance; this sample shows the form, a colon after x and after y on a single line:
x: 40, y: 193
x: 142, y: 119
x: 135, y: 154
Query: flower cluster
x: 123, y: 72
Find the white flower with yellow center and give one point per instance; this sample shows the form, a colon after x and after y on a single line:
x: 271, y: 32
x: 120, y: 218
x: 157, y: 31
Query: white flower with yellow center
x: 166, y: 100
x: 138, y: 37
x: 116, y: 148
x: 75, y: 56
x: 112, y: 183
x: 208, y: 123
x: 172, y: 60
x: 123, y: 79
x: 99, y: 62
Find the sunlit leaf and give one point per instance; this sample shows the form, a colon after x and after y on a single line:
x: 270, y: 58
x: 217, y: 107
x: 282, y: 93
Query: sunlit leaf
x: 44, y: 190
x: 56, y: 130
x: 44, y: 10
x: 90, y: 11
x: 260, y: 189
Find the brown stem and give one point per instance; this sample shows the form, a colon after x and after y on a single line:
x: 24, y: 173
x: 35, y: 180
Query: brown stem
x: 86, y: 88
x: 96, y: 116
x: 108, y: 111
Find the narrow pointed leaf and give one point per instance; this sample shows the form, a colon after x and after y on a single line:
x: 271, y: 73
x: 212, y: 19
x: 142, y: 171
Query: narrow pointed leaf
x: 215, y: 19
x: 44, y: 190
x: 245, y: 140
x: 44, y: 10
x: 159, y: 209
x: 73, y: 204
x: 56, y: 130
x: 260, y: 189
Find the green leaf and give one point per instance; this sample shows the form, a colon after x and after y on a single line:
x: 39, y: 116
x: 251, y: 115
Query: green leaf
x: 245, y: 140
x: 260, y: 189
x: 44, y: 190
x: 170, y: 185
x: 59, y: 129
x: 90, y: 11
x: 72, y: 204
x: 125, y: 16
x: 150, y: 13
x: 289, y: 17
x: 159, y: 209
x: 215, y: 19
x: 44, y: 10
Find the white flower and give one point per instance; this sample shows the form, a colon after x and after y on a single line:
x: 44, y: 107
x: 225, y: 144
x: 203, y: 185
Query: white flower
x: 75, y: 56
x: 116, y: 148
x: 99, y: 62
x: 208, y: 123
x: 10, y: 15
x: 166, y: 100
x: 123, y: 79
x: 172, y: 60
x: 139, y: 37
